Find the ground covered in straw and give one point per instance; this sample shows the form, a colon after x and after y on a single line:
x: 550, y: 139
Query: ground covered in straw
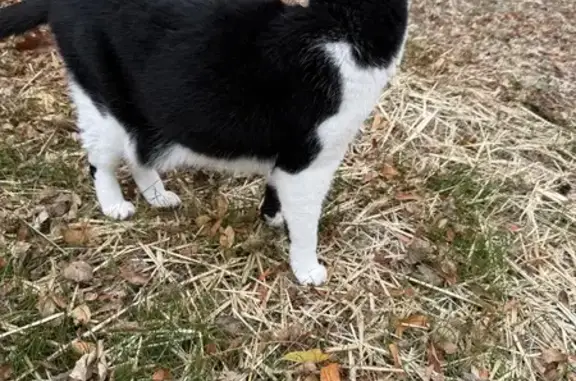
x: 450, y: 232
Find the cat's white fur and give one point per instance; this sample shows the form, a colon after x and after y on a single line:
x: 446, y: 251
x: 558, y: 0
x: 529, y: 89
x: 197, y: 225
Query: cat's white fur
x: 301, y: 195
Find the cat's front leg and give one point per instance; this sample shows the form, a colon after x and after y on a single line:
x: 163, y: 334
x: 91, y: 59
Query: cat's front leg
x: 300, y: 195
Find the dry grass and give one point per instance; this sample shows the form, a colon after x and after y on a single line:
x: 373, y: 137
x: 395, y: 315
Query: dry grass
x: 458, y: 203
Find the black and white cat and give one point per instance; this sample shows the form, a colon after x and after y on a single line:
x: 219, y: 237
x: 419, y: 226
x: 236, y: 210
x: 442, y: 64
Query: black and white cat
x: 243, y: 85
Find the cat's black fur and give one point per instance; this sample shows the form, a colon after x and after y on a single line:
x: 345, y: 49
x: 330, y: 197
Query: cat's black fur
x: 227, y: 79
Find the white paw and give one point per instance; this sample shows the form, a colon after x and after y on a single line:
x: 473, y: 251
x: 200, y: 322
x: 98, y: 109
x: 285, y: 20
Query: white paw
x: 276, y: 222
x: 120, y: 211
x: 164, y: 199
x: 312, y: 275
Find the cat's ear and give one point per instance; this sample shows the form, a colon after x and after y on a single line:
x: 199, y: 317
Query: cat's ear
x: 302, y: 3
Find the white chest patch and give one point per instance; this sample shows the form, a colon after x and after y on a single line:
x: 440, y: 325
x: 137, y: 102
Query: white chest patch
x: 361, y: 89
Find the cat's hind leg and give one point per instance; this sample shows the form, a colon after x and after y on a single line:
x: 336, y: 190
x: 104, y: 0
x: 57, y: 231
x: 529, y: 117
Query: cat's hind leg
x: 104, y: 141
x: 150, y: 185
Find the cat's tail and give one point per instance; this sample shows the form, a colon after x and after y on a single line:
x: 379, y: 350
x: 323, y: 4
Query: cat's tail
x: 21, y: 17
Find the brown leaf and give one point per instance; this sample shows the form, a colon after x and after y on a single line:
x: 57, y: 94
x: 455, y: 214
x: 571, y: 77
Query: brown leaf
x: 376, y: 121
x: 90, y: 296
x: 307, y: 368
x: 81, y: 315
x: 230, y: 325
x: 413, y: 321
x: 553, y: 356
x: 481, y: 374
x: 428, y: 275
x: 22, y: 233
x: 389, y: 172
x: 6, y: 372
x: 449, y: 272
x: 563, y: 298
x: 215, y: 228
x: 401, y: 196
x: 418, y: 250
x: 91, y: 366
x: 46, y: 305
x: 450, y: 235
x: 448, y: 347
x: 222, y: 206
x: 395, y: 355
x: 3, y: 263
x: 330, y: 372
x: 202, y: 220
x: 291, y: 333
x: 161, y: 374
x: 79, y: 272
x: 77, y: 236
x: 32, y: 41
x: 133, y: 277
x: 261, y: 288
x: 435, y: 358
x: 82, y: 347
x: 211, y: 348
x: 227, y: 238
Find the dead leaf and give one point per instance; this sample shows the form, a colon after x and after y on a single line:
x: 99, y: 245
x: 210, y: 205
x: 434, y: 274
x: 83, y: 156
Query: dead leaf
x: 77, y: 236
x: 450, y: 235
x: 32, y: 41
x: 132, y: 277
x: 307, y: 368
x: 261, y: 287
x: 227, y: 238
x: 389, y: 172
x: 435, y: 359
x: 222, y: 206
x: 210, y: 348
x: 82, y: 347
x: 553, y: 356
x: 6, y: 372
x: 449, y: 272
x: 46, y: 305
x: 291, y: 333
x: 418, y: 250
x: 22, y: 233
x: 90, y: 296
x: 330, y: 372
x: 400, y: 196
x: 481, y: 374
x: 448, y: 347
x: 395, y: 355
x: 563, y: 298
x: 91, y: 366
x: 446, y: 337
x: 230, y: 325
x: 3, y: 263
x: 428, y: 275
x: 215, y: 228
x: 202, y: 220
x: 161, y: 374
x: 314, y: 355
x: 81, y: 315
x: 79, y: 272
x: 413, y: 321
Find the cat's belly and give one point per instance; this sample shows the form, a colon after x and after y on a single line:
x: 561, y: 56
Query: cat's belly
x: 178, y: 156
